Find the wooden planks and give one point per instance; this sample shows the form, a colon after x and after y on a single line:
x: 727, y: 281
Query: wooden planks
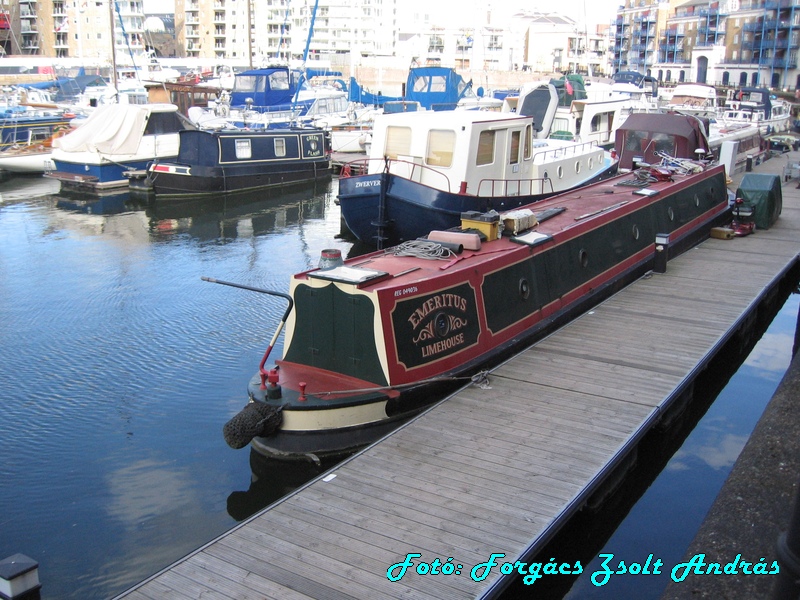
x: 489, y: 470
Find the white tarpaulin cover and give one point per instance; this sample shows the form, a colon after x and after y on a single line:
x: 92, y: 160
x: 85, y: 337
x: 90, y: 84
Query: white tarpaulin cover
x: 110, y: 129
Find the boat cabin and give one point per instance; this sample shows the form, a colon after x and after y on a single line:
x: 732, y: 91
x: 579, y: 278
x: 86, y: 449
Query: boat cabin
x: 756, y: 105
x: 696, y: 98
x: 274, y: 87
x: 474, y: 152
x: 567, y: 109
x: 643, y: 134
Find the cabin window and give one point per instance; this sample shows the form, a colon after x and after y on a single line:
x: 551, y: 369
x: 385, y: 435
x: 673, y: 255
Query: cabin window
x: 243, y: 151
x: 528, y: 141
x: 248, y: 83
x: 597, y: 121
x: 279, y: 80
x: 441, y: 145
x: 663, y: 142
x: 280, y: 147
x: 513, y: 157
x: 398, y: 142
x: 485, y: 154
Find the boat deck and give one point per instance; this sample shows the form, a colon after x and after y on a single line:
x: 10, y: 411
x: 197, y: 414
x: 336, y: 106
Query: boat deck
x: 498, y: 470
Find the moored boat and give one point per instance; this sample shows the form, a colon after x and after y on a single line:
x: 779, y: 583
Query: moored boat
x: 427, y: 168
x: 373, y: 341
x: 235, y: 160
x: 645, y: 138
x: 115, y: 139
x: 754, y: 105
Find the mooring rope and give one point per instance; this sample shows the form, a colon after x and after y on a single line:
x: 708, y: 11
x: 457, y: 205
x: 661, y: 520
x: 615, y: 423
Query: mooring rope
x: 479, y: 379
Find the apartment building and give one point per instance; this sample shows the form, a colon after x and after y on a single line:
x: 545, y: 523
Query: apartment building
x: 720, y: 42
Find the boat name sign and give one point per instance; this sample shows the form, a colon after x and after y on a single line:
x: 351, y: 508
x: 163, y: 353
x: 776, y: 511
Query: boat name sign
x: 435, y: 325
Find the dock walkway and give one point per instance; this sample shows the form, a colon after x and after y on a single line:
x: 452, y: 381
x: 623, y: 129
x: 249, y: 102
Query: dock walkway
x: 498, y: 470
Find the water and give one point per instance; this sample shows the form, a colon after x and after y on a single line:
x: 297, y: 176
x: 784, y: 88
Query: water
x: 120, y: 367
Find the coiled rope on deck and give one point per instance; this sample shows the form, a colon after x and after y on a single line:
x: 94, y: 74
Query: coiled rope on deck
x: 422, y: 249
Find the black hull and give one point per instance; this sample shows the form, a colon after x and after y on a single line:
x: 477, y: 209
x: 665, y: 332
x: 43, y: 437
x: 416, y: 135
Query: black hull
x: 213, y: 181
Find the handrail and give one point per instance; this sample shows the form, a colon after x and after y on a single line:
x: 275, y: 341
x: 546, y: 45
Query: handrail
x: 505, y: 184
x: 572, y: 150
x: 361, y: 166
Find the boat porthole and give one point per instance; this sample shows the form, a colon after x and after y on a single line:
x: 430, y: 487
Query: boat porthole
x: 635, y: 232
x: 524, y: 289
x: 560, y: 172
x: 671, y: 214
x: 441, y: 323
x: 591, y: 163
x: 545, y: 175
x: 583, y: 257
x: 578, y: 166
x: 696, y: 200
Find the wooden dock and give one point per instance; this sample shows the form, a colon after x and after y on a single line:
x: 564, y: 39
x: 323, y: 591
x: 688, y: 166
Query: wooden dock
x: 498, y: 470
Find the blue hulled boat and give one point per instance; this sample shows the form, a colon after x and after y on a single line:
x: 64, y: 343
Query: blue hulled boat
x: 115, y: 139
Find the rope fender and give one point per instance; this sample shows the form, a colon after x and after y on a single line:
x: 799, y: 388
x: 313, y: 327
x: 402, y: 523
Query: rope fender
x: 256, y: 419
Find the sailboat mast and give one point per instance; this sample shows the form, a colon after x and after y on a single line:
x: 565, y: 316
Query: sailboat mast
x: 305, y: 52
x: 113, y: 44
x: 250, y: 33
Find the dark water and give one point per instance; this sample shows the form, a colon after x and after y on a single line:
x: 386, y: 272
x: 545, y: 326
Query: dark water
x: 120, y: 366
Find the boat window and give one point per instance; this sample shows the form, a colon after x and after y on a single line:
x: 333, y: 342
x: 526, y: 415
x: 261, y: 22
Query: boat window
x: 38, y: 134
x: 485, y: 154
x: 243, y: 150
x: 279, y: 80
x: 513, y: 157
x: 245, y: 83
x: 163, y: 122
x: 663, y: 142
x: 398, y: 142
x: 528, y: 141
x: 280, y: 147
x: 441, y: 145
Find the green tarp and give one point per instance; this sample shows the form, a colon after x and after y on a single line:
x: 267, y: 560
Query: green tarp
x: 763, y: 194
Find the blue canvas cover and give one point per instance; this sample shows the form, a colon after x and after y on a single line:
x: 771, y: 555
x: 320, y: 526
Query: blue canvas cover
x: 435, y: 88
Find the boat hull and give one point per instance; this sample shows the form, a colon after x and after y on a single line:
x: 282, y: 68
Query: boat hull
x: 402, y: 343
x: 184, y: 181
x: 391, y: 209
x: 104, y: 175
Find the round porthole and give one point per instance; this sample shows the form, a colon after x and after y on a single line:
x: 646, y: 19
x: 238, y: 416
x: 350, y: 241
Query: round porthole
x: 441, y: 323
x: 524, y: 289
x: 635, y: 232
x: 545, y: 176
x: 591, y: 163
x: 583, y: 257
x: 696, y: 200
x: 671, y: 214
x: 578, y: 166
x: 560, y: 172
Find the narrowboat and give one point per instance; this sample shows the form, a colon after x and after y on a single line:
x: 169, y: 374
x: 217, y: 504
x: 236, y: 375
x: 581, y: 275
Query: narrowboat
x: 373, y: 340
x: 426, y: 168
x: 213, y: 162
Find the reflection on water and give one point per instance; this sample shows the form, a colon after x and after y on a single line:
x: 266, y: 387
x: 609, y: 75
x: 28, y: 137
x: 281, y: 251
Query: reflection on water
x: 121, y: 366
x: 271, y: 480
